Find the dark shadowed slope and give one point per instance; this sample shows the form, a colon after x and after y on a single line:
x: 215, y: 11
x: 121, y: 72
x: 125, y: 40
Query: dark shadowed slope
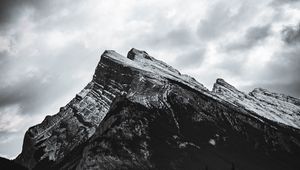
x: 6, y: 164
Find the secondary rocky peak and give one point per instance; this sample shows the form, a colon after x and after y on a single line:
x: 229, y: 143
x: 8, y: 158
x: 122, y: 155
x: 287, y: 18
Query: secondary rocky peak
x: 135, y: 53
x: 260, y: 90
x: 273, y: 106
x: 221, y: 83
x: 222, y: 88
x: 147, y: 61
x: 141, y: 61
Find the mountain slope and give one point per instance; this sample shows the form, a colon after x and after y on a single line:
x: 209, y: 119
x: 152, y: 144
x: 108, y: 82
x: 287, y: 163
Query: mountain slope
x: 6, y: 164
x: 140, y: 113
x: 278, y: 107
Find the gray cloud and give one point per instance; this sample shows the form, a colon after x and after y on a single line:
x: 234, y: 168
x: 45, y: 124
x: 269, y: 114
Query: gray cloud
x: 216, y: 23
x: 7, y: 140
x: 233, y: 65
x: 291, y: 88
x: 235, y: 62
x: 221, y: 19
x: 282, y: 73
x: 252, y: 37
x: 12, y: 10
x: 281, y: 2
x: 4, y: 61
x: 49, y: 49
x: 165, y: 33
x: 190, y: 59
x: 23, y: 93
x: 27, y: 87
x: 285, y: 65
x: 177, y: 37
x: 291, y: 35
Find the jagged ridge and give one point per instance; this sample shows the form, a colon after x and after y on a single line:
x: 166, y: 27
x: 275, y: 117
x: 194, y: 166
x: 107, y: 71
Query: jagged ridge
x: 276, y: 107
x: 140, y: 88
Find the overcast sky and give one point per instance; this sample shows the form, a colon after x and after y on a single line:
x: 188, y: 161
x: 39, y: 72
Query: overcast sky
x: 50, y: 48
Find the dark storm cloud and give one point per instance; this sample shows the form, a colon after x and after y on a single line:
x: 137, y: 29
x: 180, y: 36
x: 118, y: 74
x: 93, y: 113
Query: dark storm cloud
x: 22, y: 92
x: 12, y: 10
x: 291, y: 35
x: 53, y: 47
x: 252, y: 37
x: 286, y: 64
x: 281, y: 73
x: 27, y: 88
x: 284, y: 67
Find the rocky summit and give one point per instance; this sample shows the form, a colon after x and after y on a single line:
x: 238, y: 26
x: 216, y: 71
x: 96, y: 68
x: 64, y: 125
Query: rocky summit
x: 140, y: 113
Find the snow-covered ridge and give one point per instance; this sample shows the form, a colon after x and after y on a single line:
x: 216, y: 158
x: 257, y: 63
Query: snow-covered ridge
x: 142, y: 61
x: 257, y: 92
x: 273, y: 106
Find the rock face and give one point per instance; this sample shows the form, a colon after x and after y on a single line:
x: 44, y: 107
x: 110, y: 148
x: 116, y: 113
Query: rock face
x: 278, y: 107
x: 140, y: 113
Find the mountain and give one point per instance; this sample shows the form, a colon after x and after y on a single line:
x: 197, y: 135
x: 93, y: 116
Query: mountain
x: 140, y: 113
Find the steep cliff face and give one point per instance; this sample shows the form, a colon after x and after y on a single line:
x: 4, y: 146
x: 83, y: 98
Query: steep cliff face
x: 57, y: 135
x: 140, y: 113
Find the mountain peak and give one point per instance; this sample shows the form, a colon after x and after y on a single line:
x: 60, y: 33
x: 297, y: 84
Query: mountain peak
x: 223, y: 83
x: 141, y: 61
x: 224, y: 88
x: 138, y: 109
x: 260, y: 90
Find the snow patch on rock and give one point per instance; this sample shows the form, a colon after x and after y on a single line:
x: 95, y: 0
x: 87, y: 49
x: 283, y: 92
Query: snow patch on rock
x: 276, y: 107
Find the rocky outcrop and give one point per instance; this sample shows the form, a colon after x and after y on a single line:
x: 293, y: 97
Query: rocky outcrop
x: 140, y: 113
x: 277, y: 107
